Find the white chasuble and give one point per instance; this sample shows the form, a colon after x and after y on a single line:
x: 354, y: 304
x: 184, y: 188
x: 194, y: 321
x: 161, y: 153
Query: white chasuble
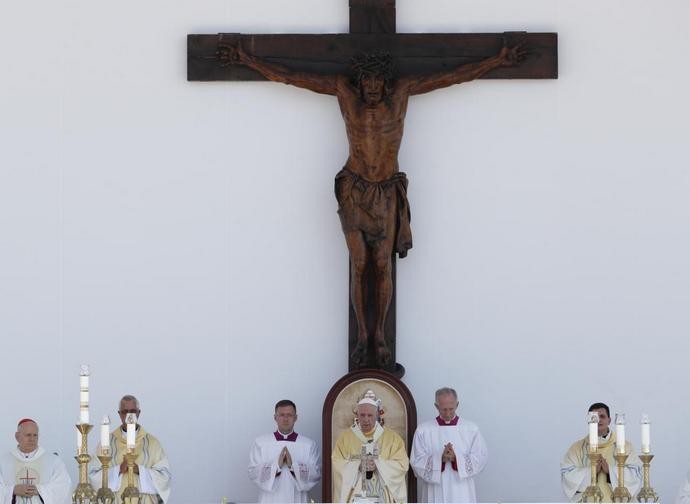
x: 392, y: 464
x: 153, y: 480
x: 284, y: 484
x: 44, y: 470
x: 448, y: 482
x: 576, y: 473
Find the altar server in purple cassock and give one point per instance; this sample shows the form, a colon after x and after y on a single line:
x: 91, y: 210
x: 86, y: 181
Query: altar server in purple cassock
x: 284, y: 464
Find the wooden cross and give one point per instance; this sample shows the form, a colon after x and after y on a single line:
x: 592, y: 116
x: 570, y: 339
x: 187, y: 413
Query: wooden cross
x: 372, y: 28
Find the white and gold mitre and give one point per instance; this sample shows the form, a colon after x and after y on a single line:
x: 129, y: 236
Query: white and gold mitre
x: 370, y: 398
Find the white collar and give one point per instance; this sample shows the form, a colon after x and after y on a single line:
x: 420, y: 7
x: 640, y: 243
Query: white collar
x: 378, y: 431
x: 28, y: 456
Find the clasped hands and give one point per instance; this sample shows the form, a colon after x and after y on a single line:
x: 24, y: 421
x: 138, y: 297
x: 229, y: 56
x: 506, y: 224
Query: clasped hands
x: 369, y: 464
x: 602, y: 465
x: 448, y: 453
x: 123, y: 468
x: 284, y: 458
x: 25, y: 490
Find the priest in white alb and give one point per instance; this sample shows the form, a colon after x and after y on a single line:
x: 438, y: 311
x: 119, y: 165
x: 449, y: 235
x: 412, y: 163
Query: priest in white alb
x: 151, y: 466
x: 576, y: 472
x: 370, y: 461
x: 29, y: 474
x: 284, y: 464
x: 447, y: 453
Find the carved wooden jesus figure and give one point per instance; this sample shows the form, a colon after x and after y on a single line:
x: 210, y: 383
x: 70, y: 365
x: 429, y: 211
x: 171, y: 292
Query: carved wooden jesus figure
x: 370, y: 189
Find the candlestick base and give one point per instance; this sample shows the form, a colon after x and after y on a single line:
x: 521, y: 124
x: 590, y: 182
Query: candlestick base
x: 105, y: 495
x: 130, y: 495
x: 646, y: 493
x: 620, y: 493
x: 593, y: 493
x: 84, y: 493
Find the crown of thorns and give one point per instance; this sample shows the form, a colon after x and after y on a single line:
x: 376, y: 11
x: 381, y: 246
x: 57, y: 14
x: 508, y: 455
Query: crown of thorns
x: 376, y: 63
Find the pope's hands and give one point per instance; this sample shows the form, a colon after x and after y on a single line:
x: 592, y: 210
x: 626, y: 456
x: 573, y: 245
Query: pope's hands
x: 370, y: 464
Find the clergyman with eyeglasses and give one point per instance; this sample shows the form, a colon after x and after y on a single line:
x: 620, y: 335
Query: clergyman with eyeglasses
x: 151, y: 468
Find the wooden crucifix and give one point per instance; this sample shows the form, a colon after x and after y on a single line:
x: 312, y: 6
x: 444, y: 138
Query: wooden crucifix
x: 372, y: 71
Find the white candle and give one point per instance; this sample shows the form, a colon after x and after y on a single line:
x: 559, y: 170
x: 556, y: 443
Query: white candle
x: 84, y: 394
x: 131, y: 435
x: 131, y: 431
x: 105, y: 433
x: 593, y: 435
x: 620, y: 438
x: 646, y: 438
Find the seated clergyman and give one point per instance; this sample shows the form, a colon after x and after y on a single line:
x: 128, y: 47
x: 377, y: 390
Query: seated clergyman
x: 370, y: 462
x: 575, y: 467
x: 30, y: 475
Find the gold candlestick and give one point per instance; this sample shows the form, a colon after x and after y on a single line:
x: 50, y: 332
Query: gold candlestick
x: 105, y: 495
x: 620, y: 493
x: 131, y: 494
x: 647, y: 493
x: 593, y: 492
x: 84, y: 493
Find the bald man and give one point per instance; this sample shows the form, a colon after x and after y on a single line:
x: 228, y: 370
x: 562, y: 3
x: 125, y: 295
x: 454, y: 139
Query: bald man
x: 29, y: 474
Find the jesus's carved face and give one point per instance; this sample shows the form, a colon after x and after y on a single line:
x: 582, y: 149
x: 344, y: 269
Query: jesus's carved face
x: 372, y: 87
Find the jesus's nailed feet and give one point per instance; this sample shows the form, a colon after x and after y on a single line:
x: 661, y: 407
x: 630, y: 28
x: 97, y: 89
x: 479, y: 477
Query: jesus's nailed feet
x: 359, y: 355
x: 383, y: 355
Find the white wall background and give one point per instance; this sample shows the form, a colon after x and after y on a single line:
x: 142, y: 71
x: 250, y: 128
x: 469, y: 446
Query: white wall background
x: 195, y: 224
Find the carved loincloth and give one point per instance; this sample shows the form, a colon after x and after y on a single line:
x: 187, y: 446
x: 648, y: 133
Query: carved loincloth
x: 364, y: 206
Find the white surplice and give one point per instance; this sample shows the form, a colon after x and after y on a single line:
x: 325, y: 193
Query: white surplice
x: 44, y: 470
x: 280, y: 484
x: 448, y: 482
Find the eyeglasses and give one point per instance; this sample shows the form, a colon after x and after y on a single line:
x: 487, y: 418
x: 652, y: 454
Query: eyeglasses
x: 127, y: 411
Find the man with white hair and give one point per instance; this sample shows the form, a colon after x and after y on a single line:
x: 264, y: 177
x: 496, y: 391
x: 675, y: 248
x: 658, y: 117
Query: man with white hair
x: 447, y: 453
x: 30, y: 475
x: 369, y: 461
x: 151, y: 466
